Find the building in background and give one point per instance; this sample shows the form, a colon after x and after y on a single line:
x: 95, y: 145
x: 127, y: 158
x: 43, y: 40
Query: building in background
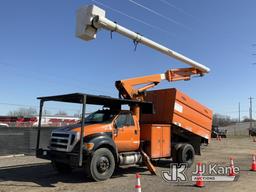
x: 47, y: 121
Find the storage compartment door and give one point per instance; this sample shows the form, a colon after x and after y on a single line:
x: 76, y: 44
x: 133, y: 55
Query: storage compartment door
x: 166, y: 141
x: 156, y: 141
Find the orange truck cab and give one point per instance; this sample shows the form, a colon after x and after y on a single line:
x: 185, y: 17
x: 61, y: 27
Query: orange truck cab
x: 110, y: 136
x: 171, y: 125
x: 121, y: 126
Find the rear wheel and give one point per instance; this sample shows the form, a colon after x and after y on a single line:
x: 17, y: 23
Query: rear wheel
x: 61, y: 167
x: 186, y: 154
x: 101, y: 165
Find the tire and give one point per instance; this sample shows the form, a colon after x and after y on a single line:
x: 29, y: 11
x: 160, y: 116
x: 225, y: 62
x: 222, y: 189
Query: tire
x: 186, y: 154
x: 101, y: 165
x: 61, y: 167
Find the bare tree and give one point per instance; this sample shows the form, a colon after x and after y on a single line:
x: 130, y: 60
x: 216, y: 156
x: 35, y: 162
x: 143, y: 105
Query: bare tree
x: 247, y: 119
x: 76, y: 115
x: 62, y: 113
x: 24, y: 112
x: 222, y: 120
x: 46, y: 112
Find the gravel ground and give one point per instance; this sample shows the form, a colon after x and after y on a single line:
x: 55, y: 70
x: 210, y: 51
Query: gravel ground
x: 30, y: 174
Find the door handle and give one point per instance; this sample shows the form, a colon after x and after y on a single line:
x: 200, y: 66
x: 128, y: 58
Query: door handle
x: 115, y: 132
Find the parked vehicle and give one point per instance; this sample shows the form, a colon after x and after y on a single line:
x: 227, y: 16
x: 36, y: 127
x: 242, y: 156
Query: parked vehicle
x: 252, y: 132
x: 216, y: 132
x: 3, y: 125
x: 114, y: 137
x: 158, y: 124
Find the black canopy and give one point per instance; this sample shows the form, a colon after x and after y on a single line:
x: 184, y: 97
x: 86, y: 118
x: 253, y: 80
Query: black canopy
x: 146, y: 107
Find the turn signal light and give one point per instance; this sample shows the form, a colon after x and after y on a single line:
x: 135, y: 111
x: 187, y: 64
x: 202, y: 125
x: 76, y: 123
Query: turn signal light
x: 89, y: 146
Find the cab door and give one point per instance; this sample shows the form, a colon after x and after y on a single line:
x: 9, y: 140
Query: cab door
x: 126, y: 135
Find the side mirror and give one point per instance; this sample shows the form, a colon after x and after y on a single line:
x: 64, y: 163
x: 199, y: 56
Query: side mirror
x: 115, y: 131
x: 114, y: 125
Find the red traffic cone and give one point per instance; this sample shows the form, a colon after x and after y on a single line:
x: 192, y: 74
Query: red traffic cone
x: 137, y: 185
x: 199, y: 178
x: 253, y: 167
x: 232, y: 168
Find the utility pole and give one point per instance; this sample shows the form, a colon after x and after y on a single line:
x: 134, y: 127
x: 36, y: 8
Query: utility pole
x: 239, y: 113
x: 250, y: 112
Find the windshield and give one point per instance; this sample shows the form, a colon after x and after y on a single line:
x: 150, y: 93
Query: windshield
x: 102, y: 116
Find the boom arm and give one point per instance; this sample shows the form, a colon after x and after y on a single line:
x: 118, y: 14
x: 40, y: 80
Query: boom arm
x: 91, y: 18
x: 127, y: 88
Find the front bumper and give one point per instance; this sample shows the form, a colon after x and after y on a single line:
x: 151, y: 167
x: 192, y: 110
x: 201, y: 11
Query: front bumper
x: 69, y: 158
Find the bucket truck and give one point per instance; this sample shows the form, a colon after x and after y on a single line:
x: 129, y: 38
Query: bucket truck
x: 159, y: 124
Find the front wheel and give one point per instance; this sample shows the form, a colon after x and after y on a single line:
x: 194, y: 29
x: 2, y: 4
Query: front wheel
x: 101, y: 165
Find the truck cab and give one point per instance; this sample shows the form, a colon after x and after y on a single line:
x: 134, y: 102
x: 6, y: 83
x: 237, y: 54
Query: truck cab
x: 110, y: 137
x: 121, y: 126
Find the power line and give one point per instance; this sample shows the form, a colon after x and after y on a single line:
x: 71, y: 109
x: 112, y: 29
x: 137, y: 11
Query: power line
x: 160, y: 15
x: 177, y: 8
x: 231, y: 112
x: 254, y: 54
x: 133, y: 18
x: 44, y: 79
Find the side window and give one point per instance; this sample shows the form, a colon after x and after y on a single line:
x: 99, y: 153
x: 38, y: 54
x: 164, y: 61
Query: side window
x: 124, y: 120
x: 121, y: 121
x: 130, y: 120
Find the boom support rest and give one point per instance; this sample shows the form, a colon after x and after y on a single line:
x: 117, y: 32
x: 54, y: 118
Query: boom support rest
x: 128, y: 88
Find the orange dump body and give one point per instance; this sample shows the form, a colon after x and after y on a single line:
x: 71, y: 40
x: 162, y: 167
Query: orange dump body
x: 174, y: 107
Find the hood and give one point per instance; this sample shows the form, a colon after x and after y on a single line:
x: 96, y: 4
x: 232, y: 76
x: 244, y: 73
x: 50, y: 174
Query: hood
x: 88, y: 128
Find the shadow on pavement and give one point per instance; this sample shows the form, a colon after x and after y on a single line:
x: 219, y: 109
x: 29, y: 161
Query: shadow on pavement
x: 43, y: 175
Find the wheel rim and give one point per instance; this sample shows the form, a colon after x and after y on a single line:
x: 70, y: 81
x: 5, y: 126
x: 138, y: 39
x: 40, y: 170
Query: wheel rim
x: 103, y: 164
x: 189, y: 156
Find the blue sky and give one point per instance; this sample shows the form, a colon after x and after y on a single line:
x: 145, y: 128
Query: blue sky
x: 40, y: 55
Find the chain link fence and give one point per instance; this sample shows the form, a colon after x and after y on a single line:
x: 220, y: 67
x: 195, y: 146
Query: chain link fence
x: 22, y: 140
x: 238, y: 129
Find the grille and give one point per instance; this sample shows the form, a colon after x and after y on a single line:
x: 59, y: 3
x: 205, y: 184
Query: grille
x: 63, y: 141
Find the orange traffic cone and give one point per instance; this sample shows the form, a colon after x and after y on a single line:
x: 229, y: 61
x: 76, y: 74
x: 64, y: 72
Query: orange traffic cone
x: 232, y: 168
x: 137, y: 185
x: 199, y: 179
x: 253, y: 167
